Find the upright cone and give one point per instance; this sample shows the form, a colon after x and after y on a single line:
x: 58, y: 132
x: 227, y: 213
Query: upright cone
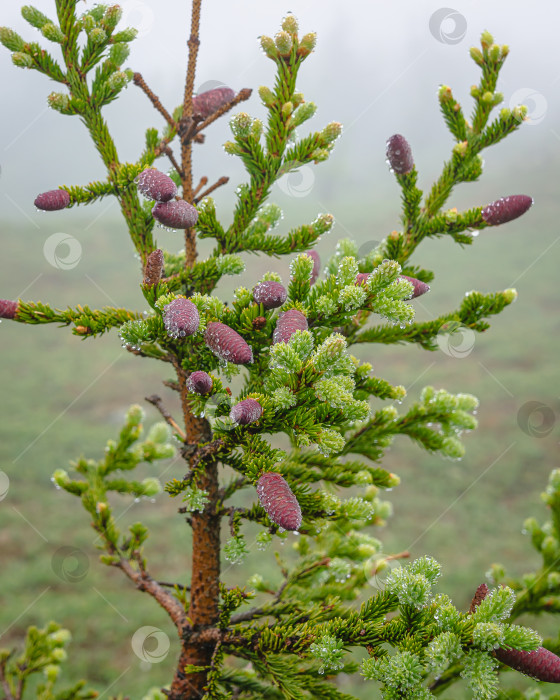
x: 278, y: 500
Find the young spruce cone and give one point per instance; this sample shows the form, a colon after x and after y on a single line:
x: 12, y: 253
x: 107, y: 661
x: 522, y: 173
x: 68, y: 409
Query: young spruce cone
x: 246, y: 411
x: 399, y: 154
x: 154, y: 267
x: 506, y: 209
x: 270, y: 294
x: 288, y: 323
x: 175, y: 214
x: 278, y: 500
x: 209, y: 102
x: 8, y: 308
x: 180, y: 318
x: 199, y: 382
x: 419, y: 287
x: 316, y: 265
x: 540, y: 664
x: 154, y: 184
x: 361, y: 278
x: 53, y: 200
x: 480, y: 594
x: 227, y: 344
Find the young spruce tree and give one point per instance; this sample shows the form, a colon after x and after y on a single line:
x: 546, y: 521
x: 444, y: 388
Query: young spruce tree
x: 291, y: 341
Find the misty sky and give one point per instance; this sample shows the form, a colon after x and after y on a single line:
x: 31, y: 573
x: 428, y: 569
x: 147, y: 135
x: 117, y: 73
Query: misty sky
x: 376, y: 69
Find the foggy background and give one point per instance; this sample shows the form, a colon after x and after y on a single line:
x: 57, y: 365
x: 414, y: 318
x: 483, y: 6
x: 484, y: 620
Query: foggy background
x: 376, y: 69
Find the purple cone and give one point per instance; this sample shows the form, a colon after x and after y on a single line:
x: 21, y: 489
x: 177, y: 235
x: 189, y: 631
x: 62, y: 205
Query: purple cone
x: 246, y: 411
x: 8, y: 308
x: 288, y: 323
x: 399, y: 154
x: 199, y: 382
x: 418, y: 286
x: 210, y: 101
x: 227, y: 344
x: 175, y: 214
x: 154, y: 184
x: 53, y: 200
x: 506, y: 209
x: 279, y: 501
x: 154, y: 267
x: 316, y: 265
x: 180, y: 318
x: 270, y: 294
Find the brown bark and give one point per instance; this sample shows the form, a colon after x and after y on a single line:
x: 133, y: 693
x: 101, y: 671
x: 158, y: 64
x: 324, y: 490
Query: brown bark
x: 205, y: 576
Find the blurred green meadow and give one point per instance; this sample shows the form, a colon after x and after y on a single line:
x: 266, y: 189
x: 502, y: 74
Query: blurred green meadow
x: 63, y: 397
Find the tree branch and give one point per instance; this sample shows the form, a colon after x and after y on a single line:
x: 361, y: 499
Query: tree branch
x: 158, y: 403
x: 146, y: 583
x: 222, y: 181
x: 154, y: 99
x: 4, y: 681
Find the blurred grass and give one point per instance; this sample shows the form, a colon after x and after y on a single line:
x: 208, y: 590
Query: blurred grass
x: 63, y: 397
